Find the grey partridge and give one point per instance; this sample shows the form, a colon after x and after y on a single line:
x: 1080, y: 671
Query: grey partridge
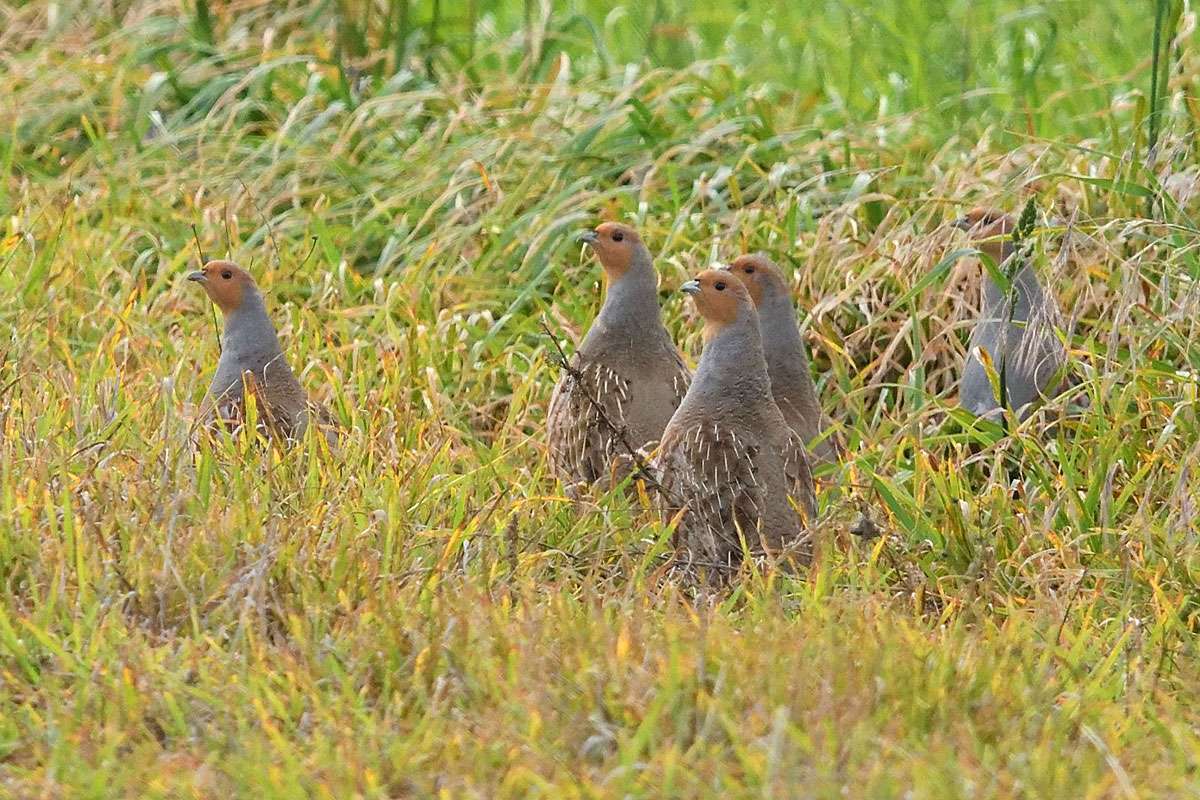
x: 627, y: 378
x: 251, y: 357
x: 1019, y: 337
x: 787, y: 361
x: 728, y: 458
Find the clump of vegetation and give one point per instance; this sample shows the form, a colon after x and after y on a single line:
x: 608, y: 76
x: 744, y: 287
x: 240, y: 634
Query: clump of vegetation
x: 424, y: 613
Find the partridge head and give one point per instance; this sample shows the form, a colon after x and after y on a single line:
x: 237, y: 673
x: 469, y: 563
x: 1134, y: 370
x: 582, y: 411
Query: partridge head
x: 226, y: 284
x: 721, y: 300
x: 617, y: 246
x: 990, y: 231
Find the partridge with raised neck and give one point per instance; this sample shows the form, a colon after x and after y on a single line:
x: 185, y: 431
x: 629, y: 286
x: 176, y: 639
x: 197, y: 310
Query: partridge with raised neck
x: 728, y: 458
x: 627, y: 378
x: 783, y: 348
x: 252, y: 357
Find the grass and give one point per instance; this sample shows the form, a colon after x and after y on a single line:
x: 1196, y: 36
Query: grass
x: 425, y: 614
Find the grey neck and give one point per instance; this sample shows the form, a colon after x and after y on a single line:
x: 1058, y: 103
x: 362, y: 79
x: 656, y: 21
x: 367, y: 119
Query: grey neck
x: 632, y: 299
x: 732, y: 364
x: 1027, y: 290
x: 248, y: 330
x: 781, y: 340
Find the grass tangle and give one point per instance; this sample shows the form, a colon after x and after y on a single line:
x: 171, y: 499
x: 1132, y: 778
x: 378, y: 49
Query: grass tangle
x: 424, y: 613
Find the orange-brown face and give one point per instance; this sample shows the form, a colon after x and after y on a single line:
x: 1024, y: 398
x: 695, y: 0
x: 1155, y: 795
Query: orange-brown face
x: 988, y: 228
x: 615, y: 245
x: 225, y: 282
x: 719, y: 297
x: 761, y: 276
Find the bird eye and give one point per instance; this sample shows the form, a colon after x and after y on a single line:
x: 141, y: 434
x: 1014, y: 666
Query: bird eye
x: 226, y: 274
x: 618, y: 236
x: 749, y: 270
x: 720, y: 286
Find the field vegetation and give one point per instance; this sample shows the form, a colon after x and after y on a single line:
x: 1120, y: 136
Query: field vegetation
x: 423, y: 613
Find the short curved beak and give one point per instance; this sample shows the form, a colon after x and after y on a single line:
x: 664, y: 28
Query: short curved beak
x: 690, y: 287
x: 963, y: 224
x: 588, y: 237
x: 197, y: 276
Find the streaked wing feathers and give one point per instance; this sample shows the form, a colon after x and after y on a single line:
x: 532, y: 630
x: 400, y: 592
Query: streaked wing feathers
x: 711, y: 470
x: 582, y: 443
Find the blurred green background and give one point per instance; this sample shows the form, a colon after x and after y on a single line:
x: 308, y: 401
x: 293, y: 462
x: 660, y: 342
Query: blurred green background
x: 1051, y: 69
